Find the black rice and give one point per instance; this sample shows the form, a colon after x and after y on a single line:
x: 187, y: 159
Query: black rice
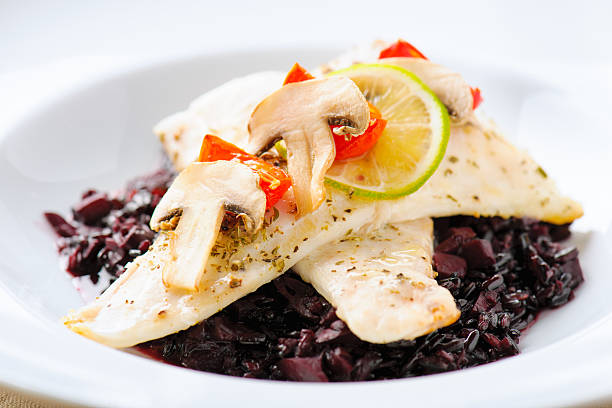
x: 502, y: 273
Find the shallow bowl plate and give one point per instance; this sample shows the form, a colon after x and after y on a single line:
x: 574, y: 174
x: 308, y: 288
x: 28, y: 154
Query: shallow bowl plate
x: 98, y: 134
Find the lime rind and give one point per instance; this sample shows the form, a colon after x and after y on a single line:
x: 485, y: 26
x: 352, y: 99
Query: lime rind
x: 443, y: 126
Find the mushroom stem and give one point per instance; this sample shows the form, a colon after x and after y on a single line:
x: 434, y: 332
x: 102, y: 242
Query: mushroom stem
x: 191, y: 244
x: 200, y: 195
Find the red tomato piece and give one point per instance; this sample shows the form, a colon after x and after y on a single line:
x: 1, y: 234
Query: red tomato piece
x: 273, y: 180
x: 297, y: 73
x: 401, y: 48
x: 358, y: 145
x: 476, y: 97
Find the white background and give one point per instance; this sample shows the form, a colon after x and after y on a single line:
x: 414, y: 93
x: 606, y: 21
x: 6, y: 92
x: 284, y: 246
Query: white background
x: 39, y: 32
x: 45, y: 45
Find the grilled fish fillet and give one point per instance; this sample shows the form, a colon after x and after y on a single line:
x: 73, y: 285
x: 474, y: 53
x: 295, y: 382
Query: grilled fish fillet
x: 382, y: 283
x: 481, y: 174
x: 222, y: 112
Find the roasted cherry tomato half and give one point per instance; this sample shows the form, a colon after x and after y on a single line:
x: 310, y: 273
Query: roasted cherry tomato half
x: 401, y: 48
x: 273, y: 180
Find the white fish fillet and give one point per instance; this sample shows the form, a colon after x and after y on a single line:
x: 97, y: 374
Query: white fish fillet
x: 481, y: 174
x: 223, y: 112
x: 382, y: 282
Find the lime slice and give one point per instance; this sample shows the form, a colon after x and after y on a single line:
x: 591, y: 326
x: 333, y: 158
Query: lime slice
x: 412, y: 144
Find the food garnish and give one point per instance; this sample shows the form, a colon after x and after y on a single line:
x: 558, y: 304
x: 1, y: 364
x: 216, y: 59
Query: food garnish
x: 438, y: 78
x: 272, y: 179
x: 192, y: 210
x: 412, y: 143
x: 450, y: 87
x: 297, y: 73
x: 347, y: 146
x: 476, y: 97
x: 301, y: 114
x: 401, y: 48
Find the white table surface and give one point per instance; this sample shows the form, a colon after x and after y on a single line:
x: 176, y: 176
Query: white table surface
x: 45, y: 45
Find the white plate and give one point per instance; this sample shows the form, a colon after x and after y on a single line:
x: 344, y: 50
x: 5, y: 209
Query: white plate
x: 98, y: 135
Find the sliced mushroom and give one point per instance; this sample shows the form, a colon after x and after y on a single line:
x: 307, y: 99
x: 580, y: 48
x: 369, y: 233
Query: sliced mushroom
x: 300, y: 114
x: 453, y: 91
x: 198, y: 199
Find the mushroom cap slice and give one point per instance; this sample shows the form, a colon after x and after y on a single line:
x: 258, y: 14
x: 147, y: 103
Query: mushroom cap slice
x: 453, y: 91
x: 300, y: 114
x: 197, y: 200
x: 449, y: 86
